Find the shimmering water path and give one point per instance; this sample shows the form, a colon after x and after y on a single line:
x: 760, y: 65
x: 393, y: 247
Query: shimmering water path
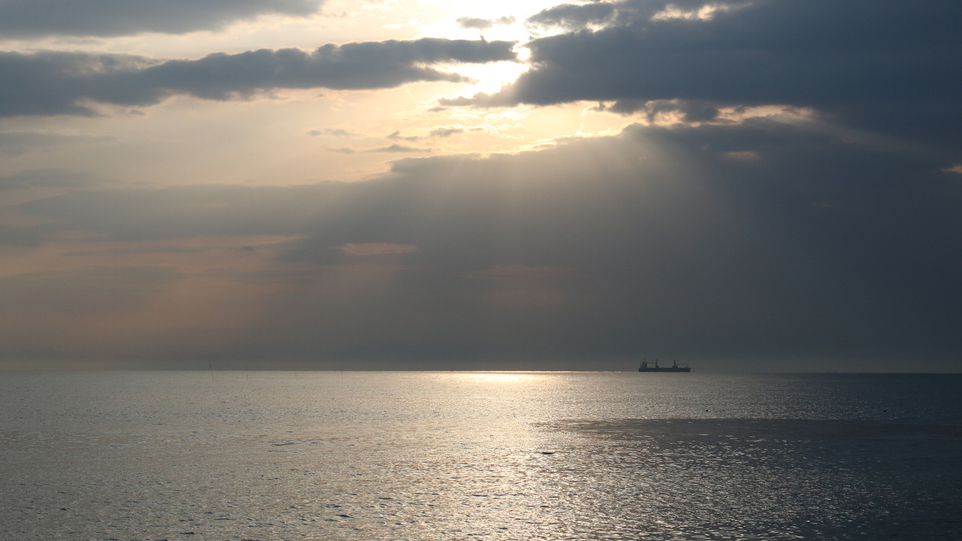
x: 326, y: 455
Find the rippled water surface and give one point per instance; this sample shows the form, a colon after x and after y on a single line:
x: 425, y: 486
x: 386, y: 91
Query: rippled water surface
x: 379, y: 455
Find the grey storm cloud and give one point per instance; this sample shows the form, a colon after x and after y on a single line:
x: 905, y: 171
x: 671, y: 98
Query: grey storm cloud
x: 37, y: 18
x: 49, y: 83
x: 884, y: 64
x: 760, y: 238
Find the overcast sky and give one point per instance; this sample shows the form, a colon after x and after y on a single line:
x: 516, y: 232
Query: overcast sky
x: 352, y: 184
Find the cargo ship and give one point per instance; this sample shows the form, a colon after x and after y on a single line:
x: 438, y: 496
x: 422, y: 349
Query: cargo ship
x: 675, y: 367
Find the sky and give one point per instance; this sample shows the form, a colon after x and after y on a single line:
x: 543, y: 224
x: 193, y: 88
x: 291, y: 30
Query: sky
x: 529, y: 185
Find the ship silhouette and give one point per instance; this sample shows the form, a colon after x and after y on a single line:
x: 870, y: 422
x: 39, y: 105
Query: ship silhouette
x: 675, y: 367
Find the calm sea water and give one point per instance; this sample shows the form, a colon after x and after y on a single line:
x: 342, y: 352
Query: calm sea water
x: 377, y: 455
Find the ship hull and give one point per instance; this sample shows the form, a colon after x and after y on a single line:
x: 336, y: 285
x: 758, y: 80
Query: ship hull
x: 665, y: 369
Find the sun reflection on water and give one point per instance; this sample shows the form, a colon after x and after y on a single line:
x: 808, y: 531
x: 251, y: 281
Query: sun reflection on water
x: 502, y: 377
x: 463, y: 455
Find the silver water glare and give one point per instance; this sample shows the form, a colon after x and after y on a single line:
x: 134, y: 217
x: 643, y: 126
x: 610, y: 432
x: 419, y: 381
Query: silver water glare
x: 368, y: 456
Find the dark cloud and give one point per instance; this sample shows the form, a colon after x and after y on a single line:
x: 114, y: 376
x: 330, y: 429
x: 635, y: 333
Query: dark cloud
x: 38, y: 18
x: 484, y: 24
x: 883, y: 65
x: 764, y: 238
x: 48, y: 83
x: 691, y: 111
x: 474, y: 22
x: 572, y: 16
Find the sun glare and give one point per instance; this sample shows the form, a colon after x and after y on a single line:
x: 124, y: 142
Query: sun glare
x: 490, y: 77
x: 500, y: 377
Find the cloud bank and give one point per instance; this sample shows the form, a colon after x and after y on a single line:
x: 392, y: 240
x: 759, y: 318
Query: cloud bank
x: 879, y: 64
x: 764, y: 238
x: 50, y: 83
x: 106, y: 18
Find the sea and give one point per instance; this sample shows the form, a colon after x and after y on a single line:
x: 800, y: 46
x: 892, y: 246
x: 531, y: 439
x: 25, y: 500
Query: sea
x: 215, y: 455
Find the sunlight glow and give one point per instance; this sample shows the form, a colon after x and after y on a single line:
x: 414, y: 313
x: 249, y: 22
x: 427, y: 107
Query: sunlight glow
x: 957, y: 168
x: 489, y: 78
x: 523, y: 53
x: 704, y: 13
x: 501, y: 377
